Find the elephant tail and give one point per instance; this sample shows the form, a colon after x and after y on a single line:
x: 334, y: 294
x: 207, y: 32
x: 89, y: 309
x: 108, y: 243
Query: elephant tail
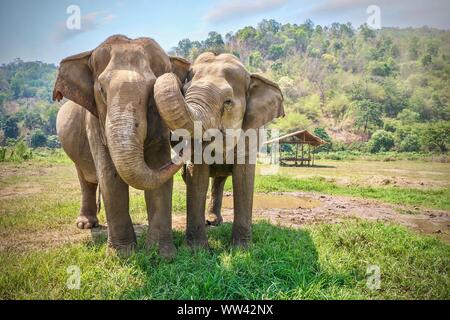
x: 99, y: 200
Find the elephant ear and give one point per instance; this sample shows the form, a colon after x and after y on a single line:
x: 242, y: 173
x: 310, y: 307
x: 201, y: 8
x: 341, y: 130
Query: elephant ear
x: 75, y: 82
x: 264, y: 103
x: 180, y: 67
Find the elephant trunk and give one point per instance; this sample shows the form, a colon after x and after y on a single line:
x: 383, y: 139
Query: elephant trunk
x: 201, y: 104
x: 126, y: 129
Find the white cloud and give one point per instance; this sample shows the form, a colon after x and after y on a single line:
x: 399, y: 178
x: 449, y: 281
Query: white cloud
x: 89, y: 22
x: 237, y: 9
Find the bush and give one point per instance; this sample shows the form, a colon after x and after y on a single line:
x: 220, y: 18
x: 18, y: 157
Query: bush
x: 53, y: 142
x: 381, y: 141
x: 322, y: 133
x: 436, y: 137
x: 411, y: 143
x: 16, y: 153
x: 38, y: 139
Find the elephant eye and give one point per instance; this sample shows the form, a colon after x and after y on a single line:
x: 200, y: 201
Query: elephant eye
x: 102, y: 93
x: 228, y: 104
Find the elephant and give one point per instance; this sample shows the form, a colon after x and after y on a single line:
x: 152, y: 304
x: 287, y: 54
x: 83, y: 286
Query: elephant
x: 111, y: 130
x: 219, y: 93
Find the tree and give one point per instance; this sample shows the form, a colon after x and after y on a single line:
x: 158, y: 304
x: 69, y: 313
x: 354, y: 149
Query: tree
x: 184, y: 48
x: 436, y: 137
x: 275, y: 52
x: 322, y: 133
x: 214, y: 42
x: 411, y: 143
x: 384, y: 68
x: 33, y: 120
x: 381, y: 141
x: 367, y: 115
x: 255, y: 60
x: 427, y: 60
x: 367, y: 32
x: 53, y: 142
x: 408, y: 116
x: 38, y: 139
x: 267, y: 26
x: 11, y: 128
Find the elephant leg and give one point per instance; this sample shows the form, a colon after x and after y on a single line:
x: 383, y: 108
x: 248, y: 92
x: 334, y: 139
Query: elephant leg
x: 197, y: 188
x: 243, y: 186
x: 159, y: 207
x: 215, y: 204
x: 88, y: 211
x: 121, y: 236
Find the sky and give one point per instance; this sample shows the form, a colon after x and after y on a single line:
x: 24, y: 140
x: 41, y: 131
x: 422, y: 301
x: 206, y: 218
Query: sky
x: 36, y: 29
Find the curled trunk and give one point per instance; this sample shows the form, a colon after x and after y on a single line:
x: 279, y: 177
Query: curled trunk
x: 201, y: 104
x: 126, y: 137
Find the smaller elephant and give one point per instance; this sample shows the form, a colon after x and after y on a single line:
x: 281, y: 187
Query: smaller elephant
x: 220, y: 94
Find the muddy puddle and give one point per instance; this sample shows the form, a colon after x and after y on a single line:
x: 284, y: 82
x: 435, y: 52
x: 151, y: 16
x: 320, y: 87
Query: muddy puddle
x: 273, y: 201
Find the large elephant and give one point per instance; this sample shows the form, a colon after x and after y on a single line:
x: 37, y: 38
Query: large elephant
x: 112, y: 131
x: 219, y: 93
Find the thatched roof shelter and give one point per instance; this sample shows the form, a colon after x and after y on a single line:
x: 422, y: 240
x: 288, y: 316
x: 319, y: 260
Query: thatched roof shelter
x: 299, y: 138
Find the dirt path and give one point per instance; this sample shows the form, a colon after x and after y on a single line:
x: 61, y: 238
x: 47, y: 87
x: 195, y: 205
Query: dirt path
x: 296, y: 209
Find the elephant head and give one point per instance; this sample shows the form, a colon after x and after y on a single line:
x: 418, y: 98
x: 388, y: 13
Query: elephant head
x: 220, y: 94
x: 115, y: 83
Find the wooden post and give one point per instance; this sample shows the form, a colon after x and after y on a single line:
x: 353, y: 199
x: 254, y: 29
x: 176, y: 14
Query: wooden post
x: 314, y: 154
x: 296, y: 155
x: 309, y: 155
x: 302, y: 154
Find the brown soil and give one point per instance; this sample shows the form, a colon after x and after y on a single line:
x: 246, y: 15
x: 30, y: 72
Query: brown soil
x: 314, y: 208
x: 294, y: 209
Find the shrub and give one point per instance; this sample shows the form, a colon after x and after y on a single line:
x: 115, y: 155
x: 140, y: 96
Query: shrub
x: 17, y: 153
x: 38, y: 139
x: 381, y: 141
x: 411, y: 143
x: 53, y: 142
x: 436, y: 137
x: 322, y: 133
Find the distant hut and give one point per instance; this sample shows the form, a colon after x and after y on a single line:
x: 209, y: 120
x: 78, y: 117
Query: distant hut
x: 298, y: 140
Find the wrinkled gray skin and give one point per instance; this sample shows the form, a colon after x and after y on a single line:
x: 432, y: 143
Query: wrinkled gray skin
x: 112, y: 131
x: 221, y: 94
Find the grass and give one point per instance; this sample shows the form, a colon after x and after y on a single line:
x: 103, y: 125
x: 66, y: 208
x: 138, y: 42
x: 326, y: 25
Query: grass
x: 318, y: 262
x: 40, y: 200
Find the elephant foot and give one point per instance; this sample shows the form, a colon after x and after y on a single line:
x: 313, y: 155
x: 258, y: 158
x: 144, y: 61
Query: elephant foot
x: 166, y: 249
x: 240, y: 243
x: 85, y: 222
x: 240, y: 240
x: 197, y: 244
x: 214, y: 220
x: 122, y: 251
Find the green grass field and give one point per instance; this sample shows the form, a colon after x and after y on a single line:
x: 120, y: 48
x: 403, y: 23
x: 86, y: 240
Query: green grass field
x: 39, y: 242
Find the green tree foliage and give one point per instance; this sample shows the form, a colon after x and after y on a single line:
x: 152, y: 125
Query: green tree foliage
x: 38, y: 139
x: 367, y: 115
x: 381, y: 141
x: 352, y: 81
x: 411, y: 143
x: 437, y: 137
x: 322, y: 133
x: 10, y: 127
x: 53, y: 142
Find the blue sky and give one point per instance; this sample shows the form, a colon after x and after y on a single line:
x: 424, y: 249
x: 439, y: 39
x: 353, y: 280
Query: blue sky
x: 35, y: 30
